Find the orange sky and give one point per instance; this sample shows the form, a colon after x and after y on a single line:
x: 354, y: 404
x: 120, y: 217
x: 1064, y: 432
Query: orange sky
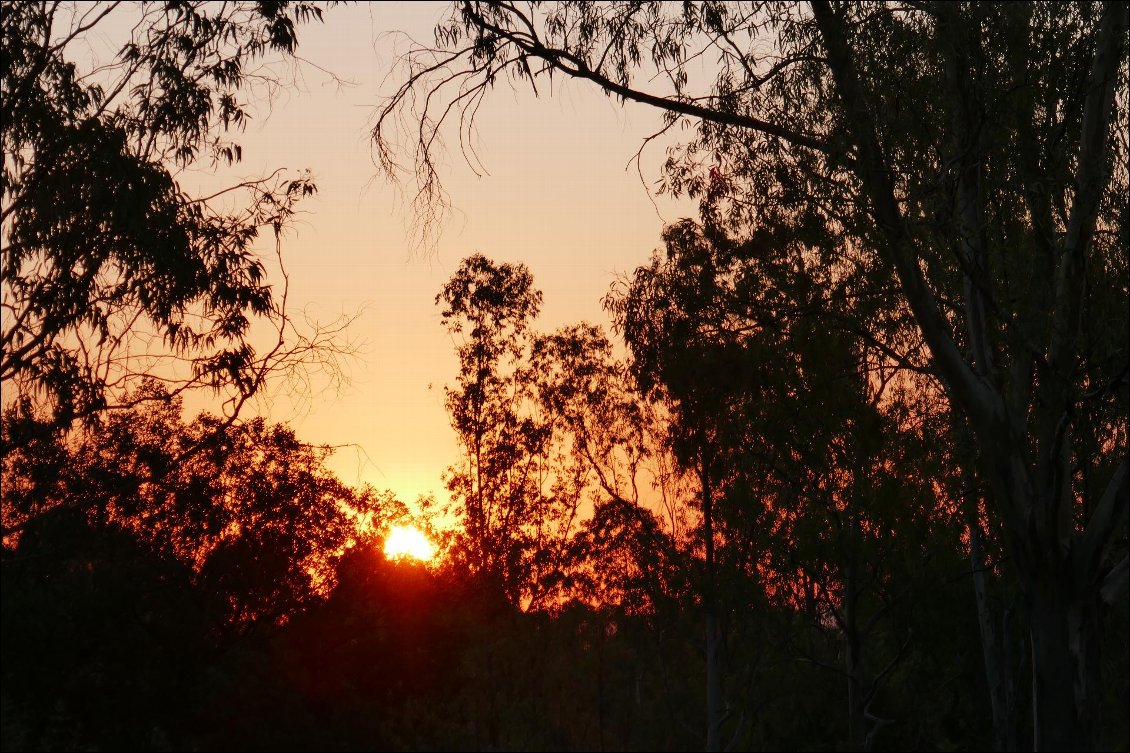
x: 559, y: 199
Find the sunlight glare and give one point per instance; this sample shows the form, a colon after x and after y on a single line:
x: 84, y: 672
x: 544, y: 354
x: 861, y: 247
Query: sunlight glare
x: 407, y: 541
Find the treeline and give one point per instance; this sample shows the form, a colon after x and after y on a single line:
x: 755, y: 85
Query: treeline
x: 741, y: 531
x: 852, y: 472
x: 927, y: 197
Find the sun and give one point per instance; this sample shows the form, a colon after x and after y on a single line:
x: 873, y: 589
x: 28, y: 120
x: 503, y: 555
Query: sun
x: 408, y: 541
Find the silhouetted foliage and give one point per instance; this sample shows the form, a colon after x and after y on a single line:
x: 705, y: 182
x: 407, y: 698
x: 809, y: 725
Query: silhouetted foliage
x: 792, y: 454
x: 498, y: 490
x: 966, y: 162
x: 110, y: 269
x: 127, y: 625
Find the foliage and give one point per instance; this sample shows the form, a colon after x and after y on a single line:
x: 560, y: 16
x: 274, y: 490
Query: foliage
x: 821, y: 497
x: 557, y: 443
x: 902, y: 314
x: 629, y: 550
x: 965, y: 162
x: 251, y: 512
x: 132, y: 624
x: 499, y: 489
x: 111, y: 270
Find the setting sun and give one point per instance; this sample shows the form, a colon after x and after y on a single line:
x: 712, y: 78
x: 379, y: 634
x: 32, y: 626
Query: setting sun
x: 406, y: 541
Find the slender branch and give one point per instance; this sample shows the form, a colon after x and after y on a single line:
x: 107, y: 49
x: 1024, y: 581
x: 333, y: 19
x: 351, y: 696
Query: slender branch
x: 576, y: 67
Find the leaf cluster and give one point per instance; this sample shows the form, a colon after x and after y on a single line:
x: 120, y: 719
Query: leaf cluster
x: 110, y: 268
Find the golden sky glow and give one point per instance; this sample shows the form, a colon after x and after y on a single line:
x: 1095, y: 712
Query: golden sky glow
x: 560, y: 198
x: 407, y: 541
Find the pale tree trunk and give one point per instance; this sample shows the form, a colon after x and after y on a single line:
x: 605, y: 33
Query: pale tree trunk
x: 862, y: 683
x: 994, y: 647
x: 1066, y: 589
x: 1066, y: 669
x: 1022, y: 427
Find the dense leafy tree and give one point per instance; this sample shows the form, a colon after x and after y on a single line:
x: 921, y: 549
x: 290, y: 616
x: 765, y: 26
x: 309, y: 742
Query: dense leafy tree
x: 111, y: 269
x: 254, y: 514
x: 98, y: 633
x: 894, y: 348
x: 131, y: 624
x: 854, y: 511
x: 499, y: 489
x: 666, y: 319
x: 807, y: 476
x: 634, y: 524
x: 136, y: 581
x: 970, y: 160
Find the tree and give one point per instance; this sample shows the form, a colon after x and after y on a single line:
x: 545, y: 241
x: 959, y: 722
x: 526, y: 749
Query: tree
x: 995, y: 605
x: 253, y: 513
x: 131, y: 615
x: 499, y: 488
x: 610, y: 438
x: 819, y: 494
x: 858, y: 511
x: 111, y: 270
x: 969, y: 160
x: 673, y: 323
x: 99, y: 632
x: 556, y: 444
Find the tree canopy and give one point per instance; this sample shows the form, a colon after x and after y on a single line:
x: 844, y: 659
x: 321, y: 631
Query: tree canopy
x: 112, y: 271
x: 967, y: 161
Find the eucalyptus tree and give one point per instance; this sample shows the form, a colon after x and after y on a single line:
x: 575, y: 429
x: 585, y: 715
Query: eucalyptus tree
x: 113, y: 269
x: 557, y: 446
x: 122, y: 616
x: 968, y: 158
x: 498, y: 489
x: 807, y: 471
x: 855, y: 511
x: 634, y: 538
x: 673, y: 320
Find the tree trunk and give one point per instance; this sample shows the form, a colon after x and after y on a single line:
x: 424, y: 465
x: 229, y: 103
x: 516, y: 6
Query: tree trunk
x: 1061, y: 572
x: 713, y: 683
x: 1065, y: 667
x: 853, y: 650
x: 714, y: 642
x: 998, y: 667
x: 857, y: 721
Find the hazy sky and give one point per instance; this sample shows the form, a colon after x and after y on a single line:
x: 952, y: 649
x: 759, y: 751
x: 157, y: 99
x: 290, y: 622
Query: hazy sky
x: 558, y: 198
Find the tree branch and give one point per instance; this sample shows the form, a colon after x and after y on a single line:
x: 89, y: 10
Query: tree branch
x: 981, y: 404
x: 574, y: 66
x: 1105, y: 522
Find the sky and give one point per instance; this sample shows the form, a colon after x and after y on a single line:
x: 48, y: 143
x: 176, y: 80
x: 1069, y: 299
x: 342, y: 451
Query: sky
x: 560, y: 197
